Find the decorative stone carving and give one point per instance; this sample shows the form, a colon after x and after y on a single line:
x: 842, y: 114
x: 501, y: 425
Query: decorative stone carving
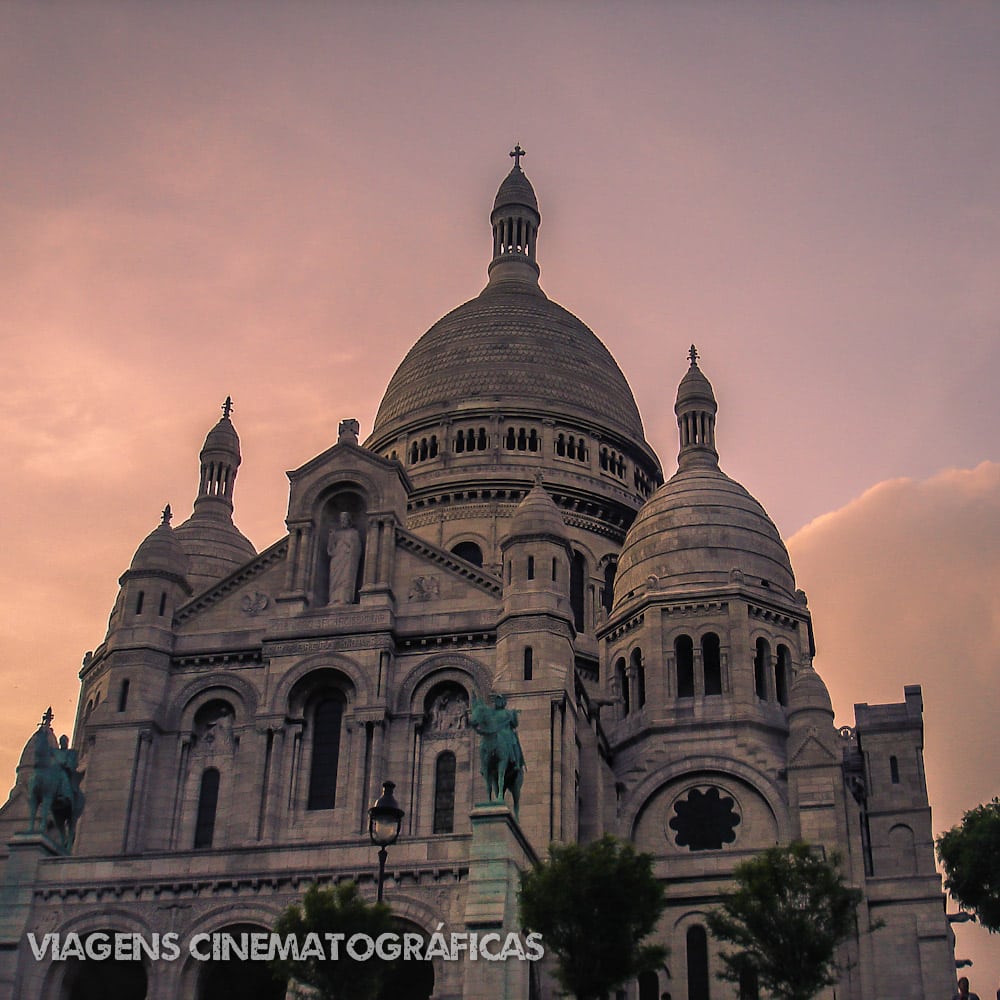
x: 448, y: 712
x: 253, y: 604
x: 347, y: 432
x: 425, y: 588
x: 213, y: 729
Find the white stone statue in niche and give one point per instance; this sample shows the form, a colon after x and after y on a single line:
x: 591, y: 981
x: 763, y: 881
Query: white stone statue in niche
x: 343, y: 546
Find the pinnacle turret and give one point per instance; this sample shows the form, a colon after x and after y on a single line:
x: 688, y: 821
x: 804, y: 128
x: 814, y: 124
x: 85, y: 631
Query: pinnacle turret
x: 696, y: 408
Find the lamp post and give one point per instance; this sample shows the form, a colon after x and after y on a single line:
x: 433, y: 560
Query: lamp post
x: 384, y: 820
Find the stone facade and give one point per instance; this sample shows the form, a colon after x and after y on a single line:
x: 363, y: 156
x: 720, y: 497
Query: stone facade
x: 504, y: 528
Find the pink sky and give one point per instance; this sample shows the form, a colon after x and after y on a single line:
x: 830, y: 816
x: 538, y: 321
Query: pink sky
x: 274, y: 201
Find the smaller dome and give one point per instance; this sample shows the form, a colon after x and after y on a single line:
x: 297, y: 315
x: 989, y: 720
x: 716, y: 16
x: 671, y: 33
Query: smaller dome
x: 215, y: 547
x: 223, y: 437
x: 516, y: 189
x: 537, y: 514
x: 809, y: 693
x: 161, y: 552
x: 695, y: 531
x: 694, y: 387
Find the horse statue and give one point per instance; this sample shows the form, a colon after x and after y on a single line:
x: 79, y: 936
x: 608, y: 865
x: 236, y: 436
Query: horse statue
x: 501, y: 760
x: 54, y: 787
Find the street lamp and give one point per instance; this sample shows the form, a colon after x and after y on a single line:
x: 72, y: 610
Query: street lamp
x: 384, y: 820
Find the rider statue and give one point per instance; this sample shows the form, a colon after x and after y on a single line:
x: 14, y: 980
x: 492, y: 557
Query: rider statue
x: 501, y: 760
x: 54, y: 788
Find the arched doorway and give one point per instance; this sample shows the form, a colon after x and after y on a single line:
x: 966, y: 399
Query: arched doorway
x: 235, y: 978
x: 409, y: 980
x: 93, y: 980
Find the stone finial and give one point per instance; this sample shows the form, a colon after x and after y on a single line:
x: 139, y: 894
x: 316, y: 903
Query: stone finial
x: 227, y: 407
x: 347, y: 433
x: 47, y: 718
x: 167, y: 515
x: 693, y: 355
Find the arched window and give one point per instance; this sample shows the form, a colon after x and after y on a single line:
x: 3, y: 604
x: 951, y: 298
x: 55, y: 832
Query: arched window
x: 894, y: 770
x: 608, y: 596
x: 684, y: 656
x: 529, y: 665
x: 639, y: 671
x: 782, y: 670
x: 470, y: 552
x: 139, y: 602
x: 761, y: 662
x: 531, y: 567
x: 712, y: 663
x: 622, y: 678
x: 208, y: 802
x: 697, y: 963
x: 649, y: 985
x: 326, y: 718
x: 577, y: 583
x: 444, y: 793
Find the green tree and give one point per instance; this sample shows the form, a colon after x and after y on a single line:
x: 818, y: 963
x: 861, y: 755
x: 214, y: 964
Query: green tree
x: 340, y: 910
x: 970, y: 855
x: 788, y: 914
x: 593, y: 906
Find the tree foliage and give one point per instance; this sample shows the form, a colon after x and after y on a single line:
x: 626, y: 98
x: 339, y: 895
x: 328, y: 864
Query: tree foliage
x: 593, y: 906
x: 788, y: 914
x: 340, y: 910
x: 970, y: 855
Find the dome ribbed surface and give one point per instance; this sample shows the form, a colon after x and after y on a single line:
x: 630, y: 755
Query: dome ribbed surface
x: 695, y: 530
x: 160, y: 552
x: 694, y: 386
x: 516, y: 189
x: 809, y: 692
x: 223, y: 437
x: 215, y: 547
x: 537, y: 514
x: 515, y: 345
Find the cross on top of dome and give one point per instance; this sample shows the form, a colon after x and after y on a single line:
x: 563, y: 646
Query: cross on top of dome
x: 517, y: 153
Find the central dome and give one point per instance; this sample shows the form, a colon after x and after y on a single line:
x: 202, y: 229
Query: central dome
x: 513, y: 345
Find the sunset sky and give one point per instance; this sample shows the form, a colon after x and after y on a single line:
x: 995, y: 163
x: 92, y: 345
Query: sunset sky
x: 275, y: 200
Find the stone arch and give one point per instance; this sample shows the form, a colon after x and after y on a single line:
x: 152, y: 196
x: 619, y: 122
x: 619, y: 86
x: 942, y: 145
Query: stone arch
x: 308, y: 503
x: 457, y: 543
x: 358, y: 685
x: 237, y: 691
x: 252, y: 915
x: 902, y: 854
x: 450, y: 666
x: 700, y: 770
x: 55, y: 977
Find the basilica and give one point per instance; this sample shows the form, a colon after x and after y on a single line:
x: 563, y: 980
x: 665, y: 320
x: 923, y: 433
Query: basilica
x: 504, y: 534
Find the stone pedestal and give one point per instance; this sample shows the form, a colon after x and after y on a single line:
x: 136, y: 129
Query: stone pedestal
x: 26, y: 852
x: 498, y: 855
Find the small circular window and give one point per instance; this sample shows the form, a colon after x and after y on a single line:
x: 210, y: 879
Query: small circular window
x: 704, y: 820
